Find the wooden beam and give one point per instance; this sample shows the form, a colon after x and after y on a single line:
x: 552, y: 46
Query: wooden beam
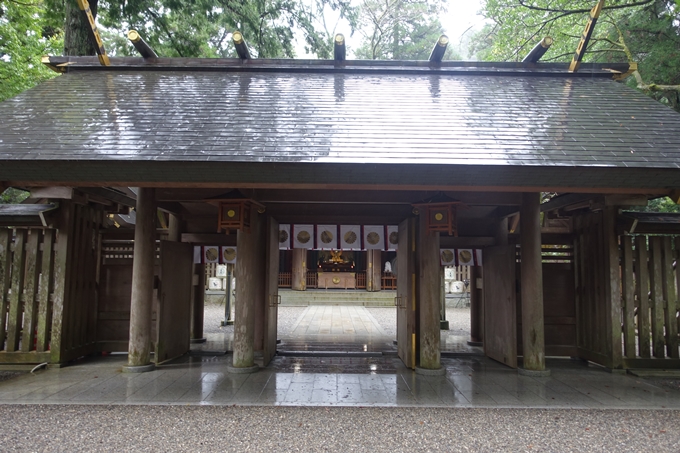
x: 209, y: 239
x: 54, y: 192
x: 338, y: 186
x: 585, y: 37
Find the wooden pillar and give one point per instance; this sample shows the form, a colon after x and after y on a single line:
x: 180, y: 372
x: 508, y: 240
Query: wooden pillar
x: 299, y: 270
x: 174, y: 228
x: 428, y: 300
x: 501, y: 233
x: 476, y: 308
x: 533, y: 341
x: 259, y: 273
x: 249, y: 270
x: 373, y: 270
x: 612, y: 310
x: 198, y: 305
x: 442, y: 297
x: 142, y: 283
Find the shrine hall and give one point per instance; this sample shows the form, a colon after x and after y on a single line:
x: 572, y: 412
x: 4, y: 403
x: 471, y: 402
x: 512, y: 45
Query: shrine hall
x: 316, y: 174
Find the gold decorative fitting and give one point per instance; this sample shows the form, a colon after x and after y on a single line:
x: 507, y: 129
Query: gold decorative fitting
x: 231, y: 213
x: 438, y: 216
x: 237, y: 37
x: 340, y: 39
x: 133, y: 36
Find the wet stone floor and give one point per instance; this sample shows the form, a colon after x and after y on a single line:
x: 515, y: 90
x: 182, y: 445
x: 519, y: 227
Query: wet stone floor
x: 345, y: 381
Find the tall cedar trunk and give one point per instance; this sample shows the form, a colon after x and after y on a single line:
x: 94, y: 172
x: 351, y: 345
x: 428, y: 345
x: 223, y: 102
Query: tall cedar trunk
x: 76, y: 30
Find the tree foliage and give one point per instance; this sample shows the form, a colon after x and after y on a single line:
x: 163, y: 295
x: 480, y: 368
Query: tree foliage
x: 202, y: 28
x: 642, y: 31
x: 13, y: 196
x: 24, y: 38
x: 400, y: 29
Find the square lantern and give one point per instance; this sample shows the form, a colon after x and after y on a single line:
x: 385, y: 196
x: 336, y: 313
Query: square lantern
x: 234, y: 211
x: 440, y: 213
x: 234, y: 215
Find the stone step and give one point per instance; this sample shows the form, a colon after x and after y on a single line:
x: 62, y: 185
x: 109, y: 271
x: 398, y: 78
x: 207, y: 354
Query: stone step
x: 337, y: 297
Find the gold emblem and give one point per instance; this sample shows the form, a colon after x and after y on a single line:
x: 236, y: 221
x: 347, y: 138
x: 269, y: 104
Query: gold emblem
x: 438, y: 216
x: 303, y: 237
x: 350, y: 237
x: 231, y: 213
x: 336, y: 280
x: 326, y: 237
x: 211, y: 254
x: 464, y: 256
x: 373, y: 238
x: 283, y: 236
x: 447, y: 256
x: 229, y: 254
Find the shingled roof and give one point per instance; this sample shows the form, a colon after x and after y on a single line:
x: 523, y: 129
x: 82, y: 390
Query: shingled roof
x: 481, y: 120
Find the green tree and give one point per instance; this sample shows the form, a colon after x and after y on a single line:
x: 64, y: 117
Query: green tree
x: 24, y: 38
x: 642, y: 31
x: 400, y: 29
x: 13, y: 196
x: 202, y: 28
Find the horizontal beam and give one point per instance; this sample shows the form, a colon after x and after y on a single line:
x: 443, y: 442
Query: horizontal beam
x: 268, y: 196
x: 349, y: 66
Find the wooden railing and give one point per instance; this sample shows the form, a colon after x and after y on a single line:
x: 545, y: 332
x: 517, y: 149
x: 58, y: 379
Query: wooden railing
x: 285, y: 279
x: 649, y: 297
x: 312, y: 279
x: 389, y: 281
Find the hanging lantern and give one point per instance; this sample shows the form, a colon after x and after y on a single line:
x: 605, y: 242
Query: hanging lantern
x: 234, y: 211
x: 440, y: 213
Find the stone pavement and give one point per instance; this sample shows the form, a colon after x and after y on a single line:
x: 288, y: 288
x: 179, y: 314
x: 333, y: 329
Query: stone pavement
x: 473, y: 382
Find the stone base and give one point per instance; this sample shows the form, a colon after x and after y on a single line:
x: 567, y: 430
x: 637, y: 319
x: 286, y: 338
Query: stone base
x: 428, y: 372
x: 198, y: 340
x: 533, y: 373
x: 243, y: 370
x: 475, y: 343
x: 443, y: 325
x: 138, y: 368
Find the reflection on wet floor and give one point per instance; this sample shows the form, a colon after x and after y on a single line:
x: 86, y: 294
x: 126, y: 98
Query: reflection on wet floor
x: 348, y: 381
x: 344, y: 328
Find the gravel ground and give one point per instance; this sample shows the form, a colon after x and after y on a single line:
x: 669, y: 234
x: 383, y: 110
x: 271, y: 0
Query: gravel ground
x: 181, y: 428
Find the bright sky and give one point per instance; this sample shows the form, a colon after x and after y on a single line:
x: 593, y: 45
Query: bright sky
x: 461, y: 16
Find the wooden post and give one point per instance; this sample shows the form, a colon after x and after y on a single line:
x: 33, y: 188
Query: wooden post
x: 612, y: 308
x: 258, y: 272
x: 533, y: 340
x: 174, y: 229
x: 249, y: 271
x: 141, y: 306
x: 373, y: 270
x: 428, y: 303
x: 62, y: 276
x: 299, y: 270
x: 198, y: 305
x: 442, y: 299
x: 476, y: 308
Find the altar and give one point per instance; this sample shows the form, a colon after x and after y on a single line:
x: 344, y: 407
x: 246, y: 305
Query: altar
x: 343, y: 280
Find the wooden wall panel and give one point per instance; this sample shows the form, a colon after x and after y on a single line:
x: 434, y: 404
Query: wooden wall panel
x: 500, y: 305
x: 174, y: 311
